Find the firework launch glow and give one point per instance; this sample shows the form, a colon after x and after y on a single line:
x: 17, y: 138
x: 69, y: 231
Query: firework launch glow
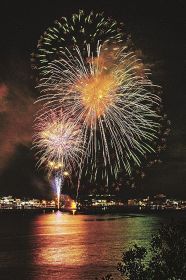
x: 58, y: 183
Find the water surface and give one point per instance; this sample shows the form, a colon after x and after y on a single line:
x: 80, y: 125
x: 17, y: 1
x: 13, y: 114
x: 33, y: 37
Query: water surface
x: 69, y: 247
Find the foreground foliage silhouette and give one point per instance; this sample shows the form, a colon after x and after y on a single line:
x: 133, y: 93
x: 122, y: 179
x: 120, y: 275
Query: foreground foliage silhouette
x: 165, y: 259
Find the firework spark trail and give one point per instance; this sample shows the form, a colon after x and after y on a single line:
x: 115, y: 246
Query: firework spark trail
x: 113, y: 99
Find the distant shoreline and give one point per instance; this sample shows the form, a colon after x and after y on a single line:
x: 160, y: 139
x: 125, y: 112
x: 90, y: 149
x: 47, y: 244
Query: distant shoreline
x: 90, y: 211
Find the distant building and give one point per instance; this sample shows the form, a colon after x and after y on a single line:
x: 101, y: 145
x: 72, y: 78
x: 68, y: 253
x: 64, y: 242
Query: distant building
x: 133, y: 202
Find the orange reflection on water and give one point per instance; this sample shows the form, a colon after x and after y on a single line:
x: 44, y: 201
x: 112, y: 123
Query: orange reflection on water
x: 57, y: 234
x: 79, y: 247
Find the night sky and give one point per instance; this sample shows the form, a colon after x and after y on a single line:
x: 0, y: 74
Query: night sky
x: 156, y: 27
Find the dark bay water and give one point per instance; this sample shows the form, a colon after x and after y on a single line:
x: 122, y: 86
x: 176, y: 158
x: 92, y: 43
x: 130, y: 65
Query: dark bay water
x: 70, y: 247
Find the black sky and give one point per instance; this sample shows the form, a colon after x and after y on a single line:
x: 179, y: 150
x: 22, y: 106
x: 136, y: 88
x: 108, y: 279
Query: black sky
x: 156, y: 27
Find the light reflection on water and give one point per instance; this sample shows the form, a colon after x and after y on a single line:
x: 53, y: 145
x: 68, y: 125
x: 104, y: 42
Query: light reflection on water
x: 62, y: 246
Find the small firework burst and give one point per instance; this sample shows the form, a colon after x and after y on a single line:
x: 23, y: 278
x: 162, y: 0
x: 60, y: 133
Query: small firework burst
x: 58, y: 140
